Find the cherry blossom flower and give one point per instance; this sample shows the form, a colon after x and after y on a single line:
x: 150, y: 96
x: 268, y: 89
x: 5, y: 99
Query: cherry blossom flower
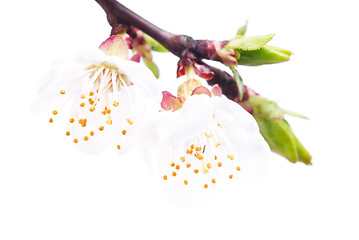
x: 204, y: 139
x: 101, y: 96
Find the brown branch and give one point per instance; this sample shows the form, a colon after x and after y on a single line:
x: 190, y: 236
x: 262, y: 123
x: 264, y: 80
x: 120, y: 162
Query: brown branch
x: 119, y: 15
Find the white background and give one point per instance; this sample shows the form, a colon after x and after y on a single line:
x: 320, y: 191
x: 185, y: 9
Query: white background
x: 49, y: 190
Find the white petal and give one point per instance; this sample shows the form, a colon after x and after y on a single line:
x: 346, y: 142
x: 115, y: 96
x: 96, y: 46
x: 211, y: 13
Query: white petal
x: 189, y: 121
x: 243, y: 132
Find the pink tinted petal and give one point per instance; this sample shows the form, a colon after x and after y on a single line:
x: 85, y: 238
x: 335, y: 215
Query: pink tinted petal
x: 201, y: 90
x: 115, y: 46
x: 170, y: 102
x: 136, y: 57
x: 217, y: 91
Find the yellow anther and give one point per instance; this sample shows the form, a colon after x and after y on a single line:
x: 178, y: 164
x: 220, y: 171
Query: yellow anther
x: 118, y: 147
x: 92, y: 109
x: 91, y: 94
x: 83, y: 96
x: 54, y: 112
x: 103, y: 112
x: 199, y: 156
x: 67, y: 133
x: 165, y: 177
x: 76, y: 141
x: 189, y: 151
x: 219, y: 164
x: 192, y: 146
x: 188, y: 165
x: 230, y: 176
x: 217, y: 144
x: 62, y: 91
x: 83, y: 125
x: 205, y: 186
x: 92, y: 133
x: 82, y: 104
x: 230, y: 156
x: 196, y: 171
x: 213, y: 180
x: 172, y: 164
x: 198, y: 149
x: 183, y: 158
x: 209, y: 135
x: 185, y: 182
x: 72, y: 120
x: 209, y: 165
x: 178, y: 167
x: 101, y: 128
x: 86, y: 138
x: 97, y: 91
x: 238, y: 168
x: 174, y: 174
x: 51, y: 120
x: 129, y: 121
x: 80, y: 121
x: 108, y: 111
x: 215, y: 157
x: 115, y: 104
x: 124, y: 132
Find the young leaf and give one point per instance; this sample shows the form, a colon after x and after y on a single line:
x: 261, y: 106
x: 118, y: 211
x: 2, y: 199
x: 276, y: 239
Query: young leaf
x: 152, y: 66
x: 282, y: 140
x: 249, y: 43
x: 265, y: 55
x: 155, y: 46
x: 242, y: 30
x: 239, y: 82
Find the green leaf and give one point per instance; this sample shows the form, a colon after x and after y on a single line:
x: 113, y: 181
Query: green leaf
x: 239, y: 82
x: 242, y: 30
x: 152, y: 66
x: 155, y: 46
x: 264, y: 108
x: 265, y: 55
x: 282, y: 140
x: 249, y: 43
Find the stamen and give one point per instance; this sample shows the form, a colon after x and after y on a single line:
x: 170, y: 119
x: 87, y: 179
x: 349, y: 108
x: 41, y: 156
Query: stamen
x: 51, y: 120
x: 205, y: 186
x: 67, y: 133
x: 230, y: 156
x: 83, y: 96
x: 91, y: 94
x: 118, y: 147
x: 86, y: 138
x: 178, y: 167
x: 198, y: 149
x: 72, y: 120
x: 76, y: 141
x: 217, y: 144
x: 82, y: 104
x: 185, y: 182
x: 174, y: 174
x: 230, y: 176
x: 213, y: 180
x: 54, y: 112
x: 196, y: 171
x: 172, y: 164
x: 129, y: 121
x: 209, y: 165
x: 183, y: 159
x: 192, y: 146
x: 220, y: 164
x: 62, y: 92
x: 124, y: 132
x: 101, y: 128
x: 92, y: 133
x: 215, y: 157
x: 209, y: 135
x: 188, y: 165
x: 238, y: 168
x: 165, y: 177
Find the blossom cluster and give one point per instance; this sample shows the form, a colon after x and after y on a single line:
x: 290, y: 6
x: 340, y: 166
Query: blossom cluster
x: 198, y: 138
